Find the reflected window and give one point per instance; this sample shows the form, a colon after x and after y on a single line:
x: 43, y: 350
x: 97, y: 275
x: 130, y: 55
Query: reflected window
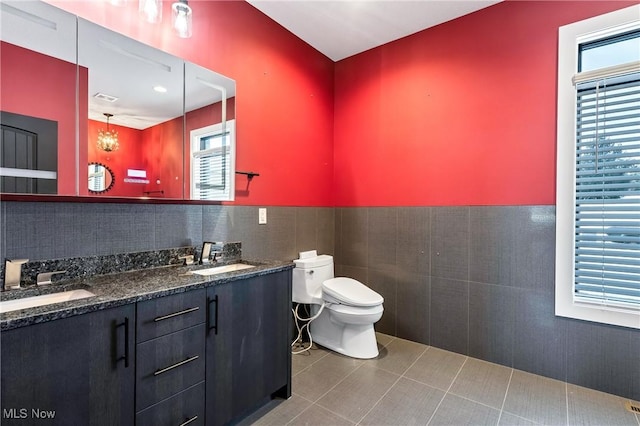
x: 213, y: 162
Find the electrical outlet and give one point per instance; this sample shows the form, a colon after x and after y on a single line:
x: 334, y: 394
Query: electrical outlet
x: 262, y: 216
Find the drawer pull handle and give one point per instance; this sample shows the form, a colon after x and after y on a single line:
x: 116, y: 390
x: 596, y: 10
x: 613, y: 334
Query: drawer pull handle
x: 192, y: 419
x: 215, y: 315
x: 175, y: 314
x: 125, y: 357
x: 178, y: 364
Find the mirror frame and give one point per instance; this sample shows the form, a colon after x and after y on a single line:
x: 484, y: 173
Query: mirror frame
x: 107, y: 170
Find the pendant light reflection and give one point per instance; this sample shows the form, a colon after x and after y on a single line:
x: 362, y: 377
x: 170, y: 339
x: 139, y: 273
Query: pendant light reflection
x: 181, y: 18
x: 151, y: 10
x: 108, y: 139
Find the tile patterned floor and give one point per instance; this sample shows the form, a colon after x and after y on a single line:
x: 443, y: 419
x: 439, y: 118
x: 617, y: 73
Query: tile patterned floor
x: 414, y: 384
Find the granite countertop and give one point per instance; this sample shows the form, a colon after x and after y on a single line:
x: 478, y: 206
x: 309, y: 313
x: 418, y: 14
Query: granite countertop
x: 123, y: 288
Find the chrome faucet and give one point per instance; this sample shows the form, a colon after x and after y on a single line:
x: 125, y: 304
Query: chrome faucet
x: 13, y: 273
x: 45, y: 277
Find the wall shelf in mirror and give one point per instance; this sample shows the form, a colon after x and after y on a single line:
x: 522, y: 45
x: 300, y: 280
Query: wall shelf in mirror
x: 114, y: 75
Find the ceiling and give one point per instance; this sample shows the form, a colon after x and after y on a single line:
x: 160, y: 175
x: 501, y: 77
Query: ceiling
x: 340, y: 29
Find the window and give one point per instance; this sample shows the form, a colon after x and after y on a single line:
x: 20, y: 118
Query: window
x: 213, y: 162
x: 598, y: 170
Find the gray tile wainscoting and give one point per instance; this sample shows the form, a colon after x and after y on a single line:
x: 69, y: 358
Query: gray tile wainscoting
x: 480, y: 281
x: 475, y: 280
x: 53, y: 230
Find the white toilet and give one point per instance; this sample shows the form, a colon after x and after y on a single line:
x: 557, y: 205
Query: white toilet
x: 345, y: 323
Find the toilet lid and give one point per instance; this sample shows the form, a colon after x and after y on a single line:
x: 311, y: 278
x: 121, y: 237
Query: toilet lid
x: 351, y: 292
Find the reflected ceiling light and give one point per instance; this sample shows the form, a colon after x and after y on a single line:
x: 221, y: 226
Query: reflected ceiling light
x: 118, y: 3
x: 181, y: 18
x: 151, y: 9
x: 108, y: 139
x: 160, y: 89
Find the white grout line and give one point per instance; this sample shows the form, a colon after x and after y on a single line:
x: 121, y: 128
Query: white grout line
x: 504, y: 400
x: 566, y: 393
x: 447, y: 391
x: 392, y: 385
x: 308, y: 366
x: 321, y: 396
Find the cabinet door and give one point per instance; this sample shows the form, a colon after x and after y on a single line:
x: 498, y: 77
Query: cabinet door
x: 248, y: 345
x: 77, y: 370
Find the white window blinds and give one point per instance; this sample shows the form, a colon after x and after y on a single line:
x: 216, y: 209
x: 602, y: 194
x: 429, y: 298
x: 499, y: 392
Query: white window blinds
x: 213, y: 162
x: 607, y: 195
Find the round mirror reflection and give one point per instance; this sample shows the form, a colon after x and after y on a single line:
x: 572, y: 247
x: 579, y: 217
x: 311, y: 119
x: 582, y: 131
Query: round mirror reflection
x: 101, y: 178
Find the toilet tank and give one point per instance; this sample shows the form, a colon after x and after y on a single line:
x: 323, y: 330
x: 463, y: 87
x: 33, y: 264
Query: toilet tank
x: 310, y: 271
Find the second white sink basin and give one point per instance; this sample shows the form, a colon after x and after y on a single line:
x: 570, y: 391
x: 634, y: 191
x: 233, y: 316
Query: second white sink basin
x: 45, y: 299
x: 222, y: 269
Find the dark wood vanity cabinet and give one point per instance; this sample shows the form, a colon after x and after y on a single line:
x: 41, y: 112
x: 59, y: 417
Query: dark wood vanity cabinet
x: 207, y: 356
x: 72, y: 371
x: 248, y: 345
x: 170, y: 359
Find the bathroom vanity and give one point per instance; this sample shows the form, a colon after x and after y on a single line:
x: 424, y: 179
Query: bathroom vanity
x: 158, y: 346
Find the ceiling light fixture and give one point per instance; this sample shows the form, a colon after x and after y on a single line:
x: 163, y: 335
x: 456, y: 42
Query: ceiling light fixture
x: 181, y: 18
x: 151, y: 9
x: 108, y: 139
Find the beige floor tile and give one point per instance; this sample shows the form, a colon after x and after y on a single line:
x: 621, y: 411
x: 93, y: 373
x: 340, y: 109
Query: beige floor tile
x: 323, y: 375
x: 407, y: 403
x: 590, y: 407
x: 357, y: 394
x: 536, y: 398
x: 398, y: 356
x: 436, y: 368
x: 482, y: 382
x: 278, y: 412
x: 318, y: 416
x: 458, y: 411
x: 301, y: 361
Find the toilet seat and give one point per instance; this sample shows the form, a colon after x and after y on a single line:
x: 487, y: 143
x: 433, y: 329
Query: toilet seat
x: 347, y: 291
x: 355, y: 310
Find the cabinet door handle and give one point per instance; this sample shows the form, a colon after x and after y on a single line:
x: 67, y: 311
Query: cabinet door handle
x: 215, y: 315
x: 177, y: 364
x: 186, y: 422
x: 125, y: 357
x: 175, y: 314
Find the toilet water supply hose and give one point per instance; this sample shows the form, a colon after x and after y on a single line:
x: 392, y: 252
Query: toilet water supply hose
x: 298, y: 341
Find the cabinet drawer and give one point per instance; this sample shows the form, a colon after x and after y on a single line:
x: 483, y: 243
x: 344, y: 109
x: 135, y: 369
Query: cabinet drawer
x: 169, y: 364
x: 165, y: 315
x: 185, y: 408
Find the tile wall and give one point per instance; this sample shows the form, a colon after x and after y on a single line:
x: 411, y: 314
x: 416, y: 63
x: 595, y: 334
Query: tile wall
x: 473, y: 280
x: 480, y: 281
x: 52, y: 230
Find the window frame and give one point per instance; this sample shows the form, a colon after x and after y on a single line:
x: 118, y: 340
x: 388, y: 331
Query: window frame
x: 195, y: 136
x: 569, y: 40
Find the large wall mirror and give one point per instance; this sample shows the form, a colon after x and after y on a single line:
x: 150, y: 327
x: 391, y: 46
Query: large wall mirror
x: 163, y: 126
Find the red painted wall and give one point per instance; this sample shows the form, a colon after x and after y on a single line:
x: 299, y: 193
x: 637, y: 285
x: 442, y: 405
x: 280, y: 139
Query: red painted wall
x: 25, y: 91
x: 156, y: 150
x: 284, y: 99
x: 162, y: 155
x: 460, y: 114
x: 128, y: 156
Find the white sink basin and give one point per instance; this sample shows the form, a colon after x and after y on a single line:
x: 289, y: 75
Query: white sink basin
x: 45, y: 299
x: 222, y: 269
